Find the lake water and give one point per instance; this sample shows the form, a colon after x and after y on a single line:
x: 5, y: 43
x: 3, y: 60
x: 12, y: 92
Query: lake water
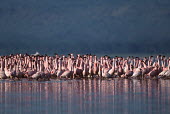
x: 88, y: 96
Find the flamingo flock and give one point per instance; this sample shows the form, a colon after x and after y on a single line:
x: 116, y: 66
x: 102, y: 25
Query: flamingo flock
x: 82, y: 66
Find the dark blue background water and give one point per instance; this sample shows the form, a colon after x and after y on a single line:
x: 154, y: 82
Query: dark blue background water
x: 85, y: 26
x: 85, y: 96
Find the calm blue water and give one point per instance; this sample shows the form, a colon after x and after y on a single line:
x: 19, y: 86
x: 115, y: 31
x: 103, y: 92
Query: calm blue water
x: 85, y: 96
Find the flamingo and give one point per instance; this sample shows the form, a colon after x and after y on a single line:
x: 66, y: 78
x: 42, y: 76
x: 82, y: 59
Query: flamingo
x: 164, y: 69
x: 60, y: 70
x: 2, y: 72
x: 68, y: 71
x: 7, y: 71
x: 154, y: 72
x: 37, y: 75
x: 112, y: 70
x: 85, y: 70
x: 167, y: 73
x: 137, y: 73
x: 129, y: 71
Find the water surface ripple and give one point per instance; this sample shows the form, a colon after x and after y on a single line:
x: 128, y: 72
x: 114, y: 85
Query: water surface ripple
x: 85, y: 96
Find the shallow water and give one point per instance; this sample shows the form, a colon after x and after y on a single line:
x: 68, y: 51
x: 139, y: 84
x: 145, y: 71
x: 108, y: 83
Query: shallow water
x: 85, y: 96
